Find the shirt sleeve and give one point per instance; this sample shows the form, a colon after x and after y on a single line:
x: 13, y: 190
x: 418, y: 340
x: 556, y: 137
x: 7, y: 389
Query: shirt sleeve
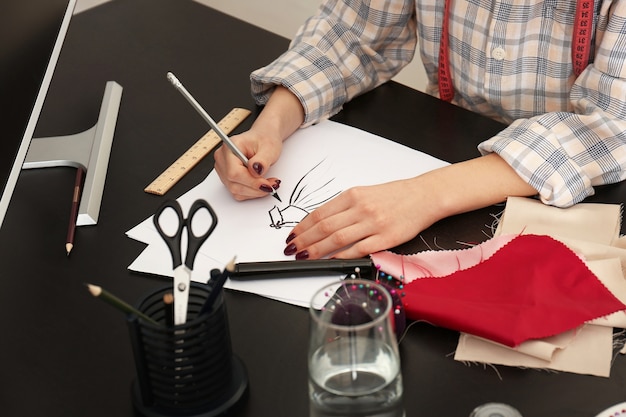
x: 348, y: 48
x: 565, y: 154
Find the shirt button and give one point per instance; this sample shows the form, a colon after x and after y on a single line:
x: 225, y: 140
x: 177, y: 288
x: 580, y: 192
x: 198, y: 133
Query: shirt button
x: 498, y: 53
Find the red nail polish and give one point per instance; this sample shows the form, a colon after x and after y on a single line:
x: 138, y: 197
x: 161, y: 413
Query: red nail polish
x: 290, y: 249
x: 291, y: 237
x: 266, y: 188
x: 300, y: 256
x: 258, y: 168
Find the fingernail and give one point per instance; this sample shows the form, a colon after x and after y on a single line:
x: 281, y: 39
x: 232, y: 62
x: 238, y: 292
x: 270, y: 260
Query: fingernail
x: 276, y: 184
x: 290, y: 249
x: 266, y: 188
x: 290, y: 237
x: 300, y: 256
x: 258, y: 168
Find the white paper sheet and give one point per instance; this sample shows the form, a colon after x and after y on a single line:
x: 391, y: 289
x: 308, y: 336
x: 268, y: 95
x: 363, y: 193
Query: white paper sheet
x: 317, y: 163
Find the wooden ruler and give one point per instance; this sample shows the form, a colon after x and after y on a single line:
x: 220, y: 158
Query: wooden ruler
x: 193, y: 155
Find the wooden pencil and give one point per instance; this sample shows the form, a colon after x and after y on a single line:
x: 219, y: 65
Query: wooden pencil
x: 71, y: 230
x: 109, y: 298
x: 168, y: 309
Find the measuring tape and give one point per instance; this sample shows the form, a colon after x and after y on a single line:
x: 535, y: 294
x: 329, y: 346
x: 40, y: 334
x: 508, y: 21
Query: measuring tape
x: 193, y: 155
x: 581, y: 45
x: 446, y: 90
x: 582, y: 35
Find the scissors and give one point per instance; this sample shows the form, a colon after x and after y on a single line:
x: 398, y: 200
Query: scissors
x: 182, y: 272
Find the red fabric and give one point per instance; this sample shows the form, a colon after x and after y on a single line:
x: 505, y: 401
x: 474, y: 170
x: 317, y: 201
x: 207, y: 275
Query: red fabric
x: 533, y: 287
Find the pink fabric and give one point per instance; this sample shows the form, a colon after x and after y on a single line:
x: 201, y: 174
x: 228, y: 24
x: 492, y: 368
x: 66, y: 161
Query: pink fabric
x: 528, y: 287
x: 438, y: 263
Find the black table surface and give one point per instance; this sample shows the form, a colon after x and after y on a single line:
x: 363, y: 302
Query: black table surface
x: 66, y: 354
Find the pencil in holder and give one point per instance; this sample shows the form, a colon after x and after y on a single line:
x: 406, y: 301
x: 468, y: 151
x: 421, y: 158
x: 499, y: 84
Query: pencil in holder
x: 189, y: 369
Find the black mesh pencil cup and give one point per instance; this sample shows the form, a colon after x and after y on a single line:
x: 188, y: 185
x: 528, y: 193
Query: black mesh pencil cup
x: 188, y: 369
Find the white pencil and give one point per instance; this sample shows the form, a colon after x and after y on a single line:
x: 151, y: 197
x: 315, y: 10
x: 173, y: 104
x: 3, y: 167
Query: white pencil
x: 223, y: 136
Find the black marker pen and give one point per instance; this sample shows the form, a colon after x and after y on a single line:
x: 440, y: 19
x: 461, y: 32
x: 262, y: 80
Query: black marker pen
x: 305, y: 268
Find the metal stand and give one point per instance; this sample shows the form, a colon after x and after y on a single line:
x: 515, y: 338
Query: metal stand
x: 90, y: 149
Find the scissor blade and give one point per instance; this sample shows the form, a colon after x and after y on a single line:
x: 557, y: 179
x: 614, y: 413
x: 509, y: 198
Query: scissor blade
x: 182, y: 281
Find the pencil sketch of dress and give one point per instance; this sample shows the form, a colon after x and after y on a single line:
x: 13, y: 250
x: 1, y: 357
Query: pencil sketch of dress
x: 312, y: 190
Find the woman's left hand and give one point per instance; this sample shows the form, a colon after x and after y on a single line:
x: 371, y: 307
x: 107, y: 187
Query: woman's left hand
x: 360, y: 221
x: 364, y: 220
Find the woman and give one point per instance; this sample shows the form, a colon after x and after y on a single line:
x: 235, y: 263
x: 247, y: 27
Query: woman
x: 554, y: 70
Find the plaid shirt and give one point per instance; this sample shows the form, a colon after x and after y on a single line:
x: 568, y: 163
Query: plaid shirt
x: 510, y: 60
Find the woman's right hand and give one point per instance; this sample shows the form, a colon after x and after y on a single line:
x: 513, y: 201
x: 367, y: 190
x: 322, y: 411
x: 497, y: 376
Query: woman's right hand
x: 262, y: 144
x: 243, y: 182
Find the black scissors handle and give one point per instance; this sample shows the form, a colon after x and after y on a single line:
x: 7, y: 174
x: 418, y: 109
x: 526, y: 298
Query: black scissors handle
x: 196, y: 241
x: 173, y: 241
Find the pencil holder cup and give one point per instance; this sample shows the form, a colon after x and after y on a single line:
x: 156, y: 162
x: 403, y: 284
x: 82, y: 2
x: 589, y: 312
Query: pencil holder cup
x: 184, y: 370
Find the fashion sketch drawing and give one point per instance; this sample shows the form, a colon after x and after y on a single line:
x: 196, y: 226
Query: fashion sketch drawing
x: 311, y: 191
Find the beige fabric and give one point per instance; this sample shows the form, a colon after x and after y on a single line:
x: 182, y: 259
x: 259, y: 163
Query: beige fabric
x: 587, y: 351
x: 591, y: 222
